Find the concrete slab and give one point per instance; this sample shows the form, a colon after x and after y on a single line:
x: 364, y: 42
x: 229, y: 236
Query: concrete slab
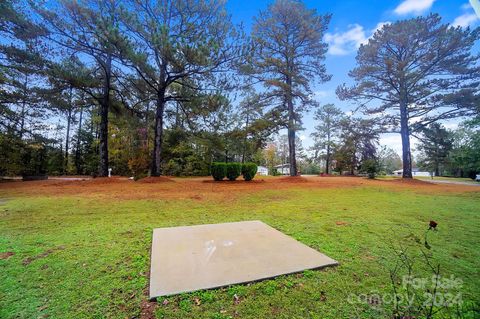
x: 190, y: 258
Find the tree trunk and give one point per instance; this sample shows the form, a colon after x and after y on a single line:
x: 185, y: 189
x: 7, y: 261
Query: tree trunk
x: 67, y: 139
x: 104, y: 108
x: 147, y: 127
x: 245, y: 138
x: 327, y: 160
x: 22, y: 120
x: 404, y: 132
x: 77, y: 151
x: 158, y: 139
x: 291, y: 130
x: 291, y: 151
x: 353, y: 163
x: 24, y: 102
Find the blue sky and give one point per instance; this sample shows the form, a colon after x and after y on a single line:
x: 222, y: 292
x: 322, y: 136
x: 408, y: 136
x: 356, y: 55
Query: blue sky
x: 353, y: 22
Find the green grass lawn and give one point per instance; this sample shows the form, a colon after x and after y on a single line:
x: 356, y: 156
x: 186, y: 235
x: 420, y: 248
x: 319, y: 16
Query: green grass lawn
x: 88, y: 257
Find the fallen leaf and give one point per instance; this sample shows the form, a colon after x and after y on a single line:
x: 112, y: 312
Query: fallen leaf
x: 236, y: 299
x: 6, y: 255
x: 42, y: 308
x: 323, y: 296
x: 197, y: 301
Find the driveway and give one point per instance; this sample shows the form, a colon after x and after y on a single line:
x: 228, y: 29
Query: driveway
x: 434, y: 181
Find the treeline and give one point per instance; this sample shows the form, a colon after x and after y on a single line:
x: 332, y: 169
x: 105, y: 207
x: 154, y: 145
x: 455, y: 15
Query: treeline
x: 136, y: 86
x: 348, y: 145
x: 447, y: 152
x: 169, y: 87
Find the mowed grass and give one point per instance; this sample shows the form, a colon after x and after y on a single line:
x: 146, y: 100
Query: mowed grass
x: 88, y: 256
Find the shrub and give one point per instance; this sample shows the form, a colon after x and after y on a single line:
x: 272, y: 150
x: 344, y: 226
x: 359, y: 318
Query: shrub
x: 218, y: 170
x: 233, y: 170
x: 275, y: 172
x: 371, y: 167
x: 173, y: 168
x: 249, y: 170
x: 139, y: 165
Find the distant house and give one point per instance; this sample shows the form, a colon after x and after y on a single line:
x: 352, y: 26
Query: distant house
x: 262, y: 170
x: 283, y: 169
x: 415, y: 172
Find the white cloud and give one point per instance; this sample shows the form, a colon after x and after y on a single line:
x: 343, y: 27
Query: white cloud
x: 467, y: 19
x: 321, y: 93
x: 394, y: 141
x: 378, y: 27
x: 451, y: 126
x: 343, y: 43
x: 413, y: 6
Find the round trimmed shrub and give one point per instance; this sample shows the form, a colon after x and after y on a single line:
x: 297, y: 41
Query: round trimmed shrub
x: 233, y: 170
x: 218, y: 170
x: 249, y: 170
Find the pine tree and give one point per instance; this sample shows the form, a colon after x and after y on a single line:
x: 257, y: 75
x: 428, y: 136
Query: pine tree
x: 417, y: 71
x: 288, y: 58
x: 178, y: 43
x: 436, y: 142
x: 326, y: 131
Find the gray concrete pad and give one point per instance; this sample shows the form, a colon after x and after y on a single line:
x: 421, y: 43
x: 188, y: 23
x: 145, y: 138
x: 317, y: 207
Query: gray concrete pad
x: 191, y: 258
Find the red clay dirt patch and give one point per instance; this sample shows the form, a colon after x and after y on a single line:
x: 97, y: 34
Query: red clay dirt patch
x: 207, y: 189
x: 196, y: 197
x: 238, y: 181
x: 105, y: 180
x: 340, y: 223
x: 28, y: 260
x: 293, y: 179
x: 6, y: 255
x: 147, y: 309
x: 155, y: 179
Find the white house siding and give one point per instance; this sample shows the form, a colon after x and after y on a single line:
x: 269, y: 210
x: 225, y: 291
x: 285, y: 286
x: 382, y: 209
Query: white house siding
x: 283, y: 169
x: 262, y: 170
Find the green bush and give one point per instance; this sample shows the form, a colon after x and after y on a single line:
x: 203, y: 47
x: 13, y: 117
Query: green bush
x: 249, y: 170
x: 370, y: 167
x: 275, y: 172
x: 218, y: 170
x: 233, y: 170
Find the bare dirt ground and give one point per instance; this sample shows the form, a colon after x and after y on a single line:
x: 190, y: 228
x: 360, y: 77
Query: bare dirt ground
x: 201, y: 188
